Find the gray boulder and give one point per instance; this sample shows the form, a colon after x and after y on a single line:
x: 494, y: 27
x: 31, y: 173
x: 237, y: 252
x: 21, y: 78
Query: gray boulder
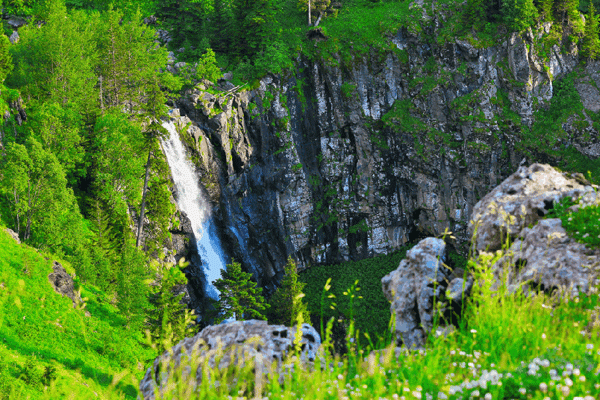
x: 411, y: 289
x: 14, y: 37
x: 546, y: 257
x: 521, y: 200
x: 230, y: 344
x: 63, y: 283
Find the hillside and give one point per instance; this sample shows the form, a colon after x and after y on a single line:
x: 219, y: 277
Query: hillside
x: 49, y: 349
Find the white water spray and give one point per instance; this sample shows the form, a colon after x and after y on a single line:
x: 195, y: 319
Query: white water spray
x: 190, y: 200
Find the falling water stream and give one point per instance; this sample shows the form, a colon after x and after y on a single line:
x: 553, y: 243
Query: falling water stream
x: 192, y: 202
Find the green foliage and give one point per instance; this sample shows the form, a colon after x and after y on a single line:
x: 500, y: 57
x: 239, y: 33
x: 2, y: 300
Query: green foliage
x: 590, y: 44
x: 171, y: 321
x: 475, y: 14
x: 348, y: 90
x: 581, y: 222
x: 239, y: 296
x: 6, y: 64
x: 519, y: 14
x: 207, y: 67
x: 287, y: 302
x: 372, y: 313
x: 48, y: 347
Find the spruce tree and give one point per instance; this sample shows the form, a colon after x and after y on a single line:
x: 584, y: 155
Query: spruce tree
x: 132, y: 289
x: 590, y: 44
x: 172, y: 320
x: 240, y: 297
x: 519, y: 14
x: 545, y: 10
x: 287, y: 302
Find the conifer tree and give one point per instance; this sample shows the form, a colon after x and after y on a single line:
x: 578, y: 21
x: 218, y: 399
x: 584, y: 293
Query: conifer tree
x: 172, y: 320
x: 545, y: 10
x: 590, y: 44
x: 132, y: 288
x: 6, y: 64
x: 474, y: 15
x: 287, y: 302
x: 519, y: 14
x: 240, y: 297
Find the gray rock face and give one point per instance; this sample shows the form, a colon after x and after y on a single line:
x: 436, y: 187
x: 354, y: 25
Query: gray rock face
x: 63, y: 283
x: 546, y: 257
x: 521, y: 200
x: 13, y: 234
x: 234, y: 343
x: 346, y: 159
x: 411, y: 289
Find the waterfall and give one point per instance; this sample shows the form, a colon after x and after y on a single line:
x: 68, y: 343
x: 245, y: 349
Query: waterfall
x: 192, y: 201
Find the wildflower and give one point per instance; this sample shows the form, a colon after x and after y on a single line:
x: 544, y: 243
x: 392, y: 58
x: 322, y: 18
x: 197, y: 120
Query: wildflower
x: 488, y: 396
x: 568, y: 382
x: 416, y: 394
x: 582, y: 378
x: 543, y: 387
x: 475, y: 393
x: 473, y: 331
x: 565, y: 390
x: 340, y: 377
x: 442, y: 396
x: 543, y: 336
x: 589, y: 346
x: 576, y: 372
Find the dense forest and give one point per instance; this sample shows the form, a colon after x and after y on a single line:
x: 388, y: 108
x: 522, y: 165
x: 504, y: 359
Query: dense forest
x: 84, y: 88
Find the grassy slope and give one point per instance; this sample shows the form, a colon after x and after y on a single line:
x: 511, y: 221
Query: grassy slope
x: 40, y: 329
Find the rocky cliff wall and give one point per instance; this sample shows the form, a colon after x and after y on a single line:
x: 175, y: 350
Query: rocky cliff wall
x: 348, y: 159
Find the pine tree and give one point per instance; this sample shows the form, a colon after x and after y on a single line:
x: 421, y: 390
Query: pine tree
x: 287, y: 302
x: 240, y: 297
x: 132, y: 289
x: 590, y: 44
x: 545, y: 10
x: 172, y: 320
x: 519, y: 14
x: 6, y: 64
x: 474, y: 15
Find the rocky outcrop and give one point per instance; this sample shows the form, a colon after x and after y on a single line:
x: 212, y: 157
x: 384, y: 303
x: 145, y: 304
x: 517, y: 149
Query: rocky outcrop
x: 346, y: 158
x: 230, y: 344
x: 420, y: 278
x: 63, y: 283
x: 545, y: 257
x: 13, y: 235
x: 521, y: 200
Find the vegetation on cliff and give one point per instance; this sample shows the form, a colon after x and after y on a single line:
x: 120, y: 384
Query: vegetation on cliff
x: 83, y: 177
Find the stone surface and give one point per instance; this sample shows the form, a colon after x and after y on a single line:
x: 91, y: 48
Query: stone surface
x: 63, y: 283
x: 14, y: 37
x: 13, y: 234
x: 238, y: 343
x: 319, y: 164
x: 411, y: 289
x: 521, y: 200
x: 546, y: 257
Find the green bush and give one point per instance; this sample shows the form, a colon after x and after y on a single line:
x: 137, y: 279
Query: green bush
x: 372, y: 311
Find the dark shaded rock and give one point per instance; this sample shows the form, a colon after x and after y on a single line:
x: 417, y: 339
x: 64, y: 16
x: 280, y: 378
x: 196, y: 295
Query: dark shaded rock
x: 63, y: 283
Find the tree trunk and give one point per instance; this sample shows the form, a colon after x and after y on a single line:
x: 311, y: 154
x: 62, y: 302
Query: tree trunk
x: 142, y: 208
x: 309, y: 7
x: 318, y: 19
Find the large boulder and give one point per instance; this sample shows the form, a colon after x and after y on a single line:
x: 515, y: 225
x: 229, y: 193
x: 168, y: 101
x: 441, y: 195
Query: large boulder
x: 545, y: 257
x: 521, y: 200
x: 230, y: 344
x: 421, y: 277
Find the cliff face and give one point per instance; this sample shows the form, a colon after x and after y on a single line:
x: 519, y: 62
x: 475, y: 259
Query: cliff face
x: 347, y: 159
